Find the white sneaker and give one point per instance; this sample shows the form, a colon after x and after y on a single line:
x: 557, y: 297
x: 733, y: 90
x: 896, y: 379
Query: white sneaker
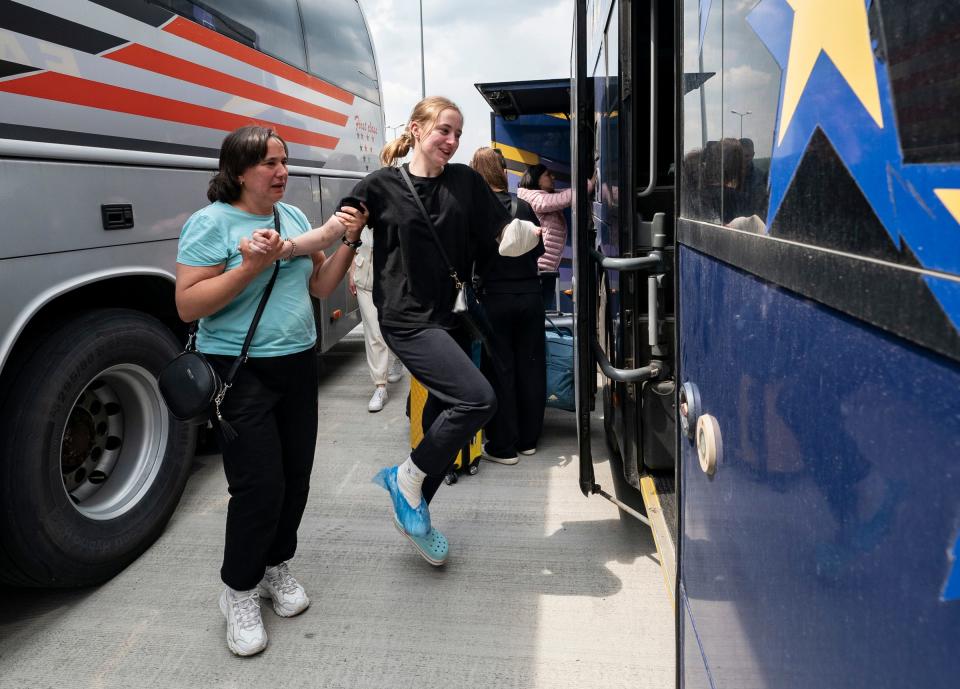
x: 499, y: 459
x: 245, y: 633
x: 396, y: 371
x: 378, y: 400
x: 531, y: 451
x: 287, y: 594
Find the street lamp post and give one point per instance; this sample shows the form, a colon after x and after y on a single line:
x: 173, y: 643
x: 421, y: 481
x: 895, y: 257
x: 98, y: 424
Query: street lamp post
x: 423, y: 69
x: 395, y: 128
x: 741, y: 115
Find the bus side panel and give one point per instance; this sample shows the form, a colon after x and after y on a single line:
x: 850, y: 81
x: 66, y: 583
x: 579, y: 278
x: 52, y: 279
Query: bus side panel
x: 339, y: 313
x: 819, y: 552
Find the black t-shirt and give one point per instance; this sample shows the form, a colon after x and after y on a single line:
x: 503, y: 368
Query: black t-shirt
x: 512, y: 274
x: 412, y: 287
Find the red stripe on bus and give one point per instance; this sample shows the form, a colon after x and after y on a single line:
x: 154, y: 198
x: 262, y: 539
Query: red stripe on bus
x: 201, y: 35
x: 155, y: 61
x: 68, y: 89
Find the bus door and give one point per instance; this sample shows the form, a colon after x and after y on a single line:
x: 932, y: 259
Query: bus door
x: 818, y: 312
x: 623, y: 96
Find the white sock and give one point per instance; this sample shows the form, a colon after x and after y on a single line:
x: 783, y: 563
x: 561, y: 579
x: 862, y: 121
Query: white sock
x: 409, y: 481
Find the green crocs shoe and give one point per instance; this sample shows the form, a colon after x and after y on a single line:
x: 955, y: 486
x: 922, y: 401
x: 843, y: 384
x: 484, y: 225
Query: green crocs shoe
x: 433, y: 547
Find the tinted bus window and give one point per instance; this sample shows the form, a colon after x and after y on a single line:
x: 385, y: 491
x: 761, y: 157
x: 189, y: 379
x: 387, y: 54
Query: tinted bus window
x: 701, y: 173
x: 339, y: 46
x: 276, y: 24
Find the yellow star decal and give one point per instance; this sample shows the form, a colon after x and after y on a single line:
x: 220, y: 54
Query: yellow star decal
x: 951, y: 199
x: 838, y: 28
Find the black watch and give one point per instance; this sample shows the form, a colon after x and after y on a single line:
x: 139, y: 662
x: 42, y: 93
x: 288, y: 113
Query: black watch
x: 353, y: 245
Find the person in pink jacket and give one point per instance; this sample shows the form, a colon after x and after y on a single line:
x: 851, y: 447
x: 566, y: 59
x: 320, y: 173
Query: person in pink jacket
x: 537, y: 188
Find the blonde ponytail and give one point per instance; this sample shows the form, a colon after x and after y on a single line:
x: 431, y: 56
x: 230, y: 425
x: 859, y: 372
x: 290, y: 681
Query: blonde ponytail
x: 425, y: 113
x: 397, y: 149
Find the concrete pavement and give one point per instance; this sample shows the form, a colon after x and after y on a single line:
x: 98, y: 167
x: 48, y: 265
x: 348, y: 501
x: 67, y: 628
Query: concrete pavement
x: 544, y: 588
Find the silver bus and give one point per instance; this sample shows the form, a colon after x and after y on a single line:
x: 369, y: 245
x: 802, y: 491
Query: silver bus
x: 111, y: 117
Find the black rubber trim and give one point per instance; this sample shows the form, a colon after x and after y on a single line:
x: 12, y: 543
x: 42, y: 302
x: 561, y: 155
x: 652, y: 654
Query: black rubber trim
x: 141, y: 10
x: 54, y: 29
x: 882, y: 294
x: 59, y: 136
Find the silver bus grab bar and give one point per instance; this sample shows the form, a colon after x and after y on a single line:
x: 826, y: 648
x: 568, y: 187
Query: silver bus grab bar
x: 625, y: 375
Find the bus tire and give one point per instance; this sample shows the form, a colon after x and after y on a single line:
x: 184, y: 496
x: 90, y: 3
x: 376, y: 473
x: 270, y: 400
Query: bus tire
x: 92, y: 465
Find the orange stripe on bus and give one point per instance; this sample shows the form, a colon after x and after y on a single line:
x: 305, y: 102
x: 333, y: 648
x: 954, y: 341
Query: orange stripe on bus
x: 201, y: 35
x: 141, y: 56
x: 68, y: 89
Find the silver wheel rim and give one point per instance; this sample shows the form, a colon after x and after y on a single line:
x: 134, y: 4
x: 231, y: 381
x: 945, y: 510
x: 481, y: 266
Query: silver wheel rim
x: 114, y: 442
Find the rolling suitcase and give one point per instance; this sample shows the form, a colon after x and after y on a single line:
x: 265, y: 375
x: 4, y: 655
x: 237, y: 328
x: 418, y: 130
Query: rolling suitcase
x: 418, y: 398
x: 559, y: 360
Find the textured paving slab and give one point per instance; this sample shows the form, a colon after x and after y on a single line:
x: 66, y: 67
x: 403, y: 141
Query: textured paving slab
x: 544, y: 588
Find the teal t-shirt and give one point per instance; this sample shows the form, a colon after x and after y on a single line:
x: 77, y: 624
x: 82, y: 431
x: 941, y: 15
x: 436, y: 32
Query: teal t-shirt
x: 212, y: 236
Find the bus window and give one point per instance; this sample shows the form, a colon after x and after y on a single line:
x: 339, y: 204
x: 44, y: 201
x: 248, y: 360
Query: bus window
x: 339, y: 46
x: 920, y: 44
x: 751, y: 86
x: 700, y: 168
x: 275, y: 25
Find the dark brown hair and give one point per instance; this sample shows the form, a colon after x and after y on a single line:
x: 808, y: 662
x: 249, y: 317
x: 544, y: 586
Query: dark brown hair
x: 531, y: 178
x: 242, y: 149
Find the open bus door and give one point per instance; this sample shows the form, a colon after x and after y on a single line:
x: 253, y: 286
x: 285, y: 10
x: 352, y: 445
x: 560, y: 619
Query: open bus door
x: 622, y: 103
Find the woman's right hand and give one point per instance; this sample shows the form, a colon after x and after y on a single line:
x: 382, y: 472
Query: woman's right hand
x: 256, y: 259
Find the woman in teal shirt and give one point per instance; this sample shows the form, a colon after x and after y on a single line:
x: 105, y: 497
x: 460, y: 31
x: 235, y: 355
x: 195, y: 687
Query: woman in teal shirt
x: 221, y: 278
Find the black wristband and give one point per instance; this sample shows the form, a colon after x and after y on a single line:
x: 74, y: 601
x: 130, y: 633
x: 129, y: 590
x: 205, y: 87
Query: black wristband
x: 353, y: 245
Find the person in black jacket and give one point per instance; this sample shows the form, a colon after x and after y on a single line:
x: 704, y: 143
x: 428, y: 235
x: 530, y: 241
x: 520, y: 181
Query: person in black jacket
x: 511, y: 295
x: 414, y: 293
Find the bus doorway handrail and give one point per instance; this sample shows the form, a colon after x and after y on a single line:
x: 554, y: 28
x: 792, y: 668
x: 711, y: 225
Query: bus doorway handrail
x: 652, y: 261
x: 652, y: 183
x: 624, y: 375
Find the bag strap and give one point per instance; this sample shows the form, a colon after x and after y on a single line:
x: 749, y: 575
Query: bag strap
x: 513, y: 206
x: 235, y: 367
x: 433, y: 229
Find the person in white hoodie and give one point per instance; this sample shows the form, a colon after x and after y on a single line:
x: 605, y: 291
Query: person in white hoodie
x: 537, y: 189
x: 384, y: 367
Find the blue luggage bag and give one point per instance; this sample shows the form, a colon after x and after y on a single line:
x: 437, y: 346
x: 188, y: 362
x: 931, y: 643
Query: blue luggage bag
x: 559, y: 358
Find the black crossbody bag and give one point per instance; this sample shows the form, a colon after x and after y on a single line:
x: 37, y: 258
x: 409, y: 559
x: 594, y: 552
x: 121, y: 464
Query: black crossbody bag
x: 189, y: 384
x: 466, y: 306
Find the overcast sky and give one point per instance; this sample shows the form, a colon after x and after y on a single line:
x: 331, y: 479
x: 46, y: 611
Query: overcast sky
x: 465, y: 43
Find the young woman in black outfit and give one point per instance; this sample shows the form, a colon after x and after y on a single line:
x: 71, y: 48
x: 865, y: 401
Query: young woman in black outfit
x: 511, y: 294
x: 414, y: 295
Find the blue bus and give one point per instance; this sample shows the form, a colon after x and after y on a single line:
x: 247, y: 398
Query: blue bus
x: 768, y: 279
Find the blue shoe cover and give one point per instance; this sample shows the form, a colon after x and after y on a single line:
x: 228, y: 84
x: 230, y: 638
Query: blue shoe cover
x: 415, y: 522
x: 433, y: 547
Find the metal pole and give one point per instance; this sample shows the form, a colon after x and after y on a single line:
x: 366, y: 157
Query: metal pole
x: 741, y: 115
x: 423, y: 70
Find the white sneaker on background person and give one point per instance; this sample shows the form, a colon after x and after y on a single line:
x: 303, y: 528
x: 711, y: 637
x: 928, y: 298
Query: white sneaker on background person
x: 245, y: 633
x: 396, y: 371
x: 287, y: 594
x: 378, y: 400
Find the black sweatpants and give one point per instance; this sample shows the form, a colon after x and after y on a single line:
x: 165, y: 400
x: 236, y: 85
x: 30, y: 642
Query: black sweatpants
x: 273, y: 407
x: 460, y: 400
x: 519, y: 374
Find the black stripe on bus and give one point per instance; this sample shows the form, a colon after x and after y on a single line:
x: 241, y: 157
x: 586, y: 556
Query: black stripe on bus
x: 54, y: 29
x: 59, y: 136
x: 140, y: 10
x: 9, y: 69
x: 883, y: 294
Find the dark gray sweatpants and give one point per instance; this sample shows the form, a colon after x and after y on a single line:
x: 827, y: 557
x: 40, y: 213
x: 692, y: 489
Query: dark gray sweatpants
x: 460, y: 402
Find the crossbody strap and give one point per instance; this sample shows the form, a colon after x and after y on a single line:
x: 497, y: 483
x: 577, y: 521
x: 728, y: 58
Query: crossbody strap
x: 235, y: 367
x: 433, y: 229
